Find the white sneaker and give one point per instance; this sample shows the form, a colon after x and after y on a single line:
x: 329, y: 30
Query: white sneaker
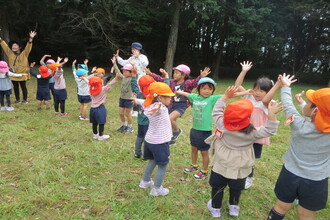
x: 95, y: 136
x: 233, y: 210
x: 161, y: 191
x: 216, y: 213
x: 103, y: 137
x: 10, y: 108
x: 3, y: 108
x: 134, y: 113
x: 146, y: 184
x: 248, y: 182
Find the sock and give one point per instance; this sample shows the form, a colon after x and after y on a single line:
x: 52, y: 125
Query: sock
x: 125, y: 123
x: 204, y: 171
x: 195, y: 165
x: 273, y: 215
x: 129, y: 125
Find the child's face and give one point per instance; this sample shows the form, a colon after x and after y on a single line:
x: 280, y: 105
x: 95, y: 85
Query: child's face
x: 127, y: 73
x: 165, y: 99
x: 205, y: 90
x: 258, y: 93
x: 84, y: 75
x: 177, y: 75
x: 99, y: 74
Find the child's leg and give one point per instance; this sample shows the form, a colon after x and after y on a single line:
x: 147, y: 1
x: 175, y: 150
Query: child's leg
x: 101, y: 129
x: 8, y: 100
x: 56, y: 104
x: 235, y: 188
x: 95, y: 128
x: 205, y: 159
x: 128, y: 115
x: 173, y: 116
x: 2, y: 101
x: 39, y: 104
x: 148, y: 171
x: 160, y: 174
x: 217, y: 196
x: 81, y: 108
x: 194, y: 155
x: 122, y: 115
x: 218, y: 184
x: 138, y: 146
x: 84, y: 109
x: 62, y: 106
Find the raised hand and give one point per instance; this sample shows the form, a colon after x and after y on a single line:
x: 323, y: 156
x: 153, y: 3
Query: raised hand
x: 231, y: 91
x: 32, y: 64
x: 246, y: 65
x: 275, y: 107
x: 116, y: 54
x: 164, y: 73
x: 298, y: 97
x: 287, y: 80
x: 205, y: 72
x: 74, y: 62
x: 86, y: 61
x: 148, y: 71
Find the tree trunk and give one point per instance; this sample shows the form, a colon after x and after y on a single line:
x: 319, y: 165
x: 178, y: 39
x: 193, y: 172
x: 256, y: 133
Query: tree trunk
x: 173, y: 38
x: 4, y: 31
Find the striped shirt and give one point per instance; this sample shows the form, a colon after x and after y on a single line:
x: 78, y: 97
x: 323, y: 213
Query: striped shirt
x: 100, y: 98
x: 59, y: 79
x: 160, y: 129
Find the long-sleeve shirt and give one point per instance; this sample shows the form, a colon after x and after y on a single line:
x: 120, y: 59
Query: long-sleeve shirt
x: 51, y: 80
x: 19, y: 62
x: 41, y: 82
x: 308, y: 155
x: 140, y: 62
x: 59, y: 79
x: 100, y: 98
x: 5, y: 82
x: 82, y: 85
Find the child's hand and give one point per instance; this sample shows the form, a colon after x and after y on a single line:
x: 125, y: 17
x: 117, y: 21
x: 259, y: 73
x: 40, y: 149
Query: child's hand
x: 113, y: 60
x: 66, y: 59
x: 231, y: 91
x: 164, y: 73
x: 132, y: 61
x: 287, y: 80
x: 155, y: 108
x: 148, y: 71
x: 118, y: 75
x: 274, y: 107
x: 205, y: 72
x: 298, y: 97
x: 94, y: 69
x: 116, y: 54
x: 59, y: 59
x: 86, y: 62
x: 246, y: 65
x: 32, y: 64
x: 74, y: 62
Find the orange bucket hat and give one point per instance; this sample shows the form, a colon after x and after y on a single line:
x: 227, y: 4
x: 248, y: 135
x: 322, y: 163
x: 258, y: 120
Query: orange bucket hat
x: 43, y: 70
x: 100, y: 70
x: 144, y: 82
x: 53, y: 67
x: 321, y: 98
x: 157, y: 88
x: 95, y: 85
x: 237, y: 115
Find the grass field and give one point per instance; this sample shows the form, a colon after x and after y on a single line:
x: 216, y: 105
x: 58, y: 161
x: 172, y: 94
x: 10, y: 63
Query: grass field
x: 51, y: 168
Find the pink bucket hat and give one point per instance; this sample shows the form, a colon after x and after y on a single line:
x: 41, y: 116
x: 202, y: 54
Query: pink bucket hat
x: 3, y: 67
x: 49, y: 61
x: 127, y: 67
x: 183, y: 68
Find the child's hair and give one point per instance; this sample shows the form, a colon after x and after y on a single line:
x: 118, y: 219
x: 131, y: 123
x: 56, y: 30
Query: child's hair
x: 264, y: 83
x: 248, y: 129
x: 211, y: 85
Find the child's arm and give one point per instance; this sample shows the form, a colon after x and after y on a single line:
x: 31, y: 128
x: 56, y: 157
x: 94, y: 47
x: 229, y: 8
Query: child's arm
x: 31, y: 69
x: 246, y: 66
x: 271, y: 93
x: 301, y: 102
x: 66, y: 59
x: 74, y: 66
x: 205, y: 72
x: 190, y: 84
x: 42, y: 60
x: 274, y: 108
x: 185, y: 94
x: 86, y: 64
x: 117, y: 70
x: 153, y: 75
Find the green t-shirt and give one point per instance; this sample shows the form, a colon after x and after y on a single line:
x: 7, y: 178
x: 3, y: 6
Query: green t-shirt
x: 202, y: 111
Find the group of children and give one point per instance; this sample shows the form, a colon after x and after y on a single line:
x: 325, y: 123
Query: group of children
x: 242, y: 127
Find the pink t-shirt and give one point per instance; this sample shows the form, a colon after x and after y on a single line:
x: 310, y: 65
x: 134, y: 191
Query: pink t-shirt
x: 259, y: 116
x: 100, y: 98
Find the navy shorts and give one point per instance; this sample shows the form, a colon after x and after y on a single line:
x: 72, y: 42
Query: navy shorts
x: 142, y: 130
x: 197, y: 139
x: 125, y: 103
x: 51, y: 86
x: 6, y: 92
x: 84, y: 98
x: 257, y: 150
x: 217, y: 181
x: 60, y: 94
x: 312, y: 194
x: 160, y: 153
x: 179, y: 107
x: 98, y: 115
x: 43, y: 94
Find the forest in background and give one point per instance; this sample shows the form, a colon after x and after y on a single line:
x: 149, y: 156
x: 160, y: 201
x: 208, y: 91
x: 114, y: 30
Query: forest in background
x: 278, y: 36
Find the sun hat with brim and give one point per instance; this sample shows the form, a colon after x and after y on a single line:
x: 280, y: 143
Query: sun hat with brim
x: 206, y: 80
x: 100, y: 70
x: 321, y: 98
x: 4, y: 67
x: 43, y: 70
x: 95, y: 85
x: 183, y: 68
x: 53, y: 67
x: 144, y: 82
x: 127, y: 67
x: 237, y: 115
x: 137, y: 45
x: 157, y: 89
x: 49, y: 61
x: 80, y: 72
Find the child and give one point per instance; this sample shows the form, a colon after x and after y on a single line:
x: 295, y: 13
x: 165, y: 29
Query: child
x: 59, y: 87
x: 43, y: 77
x: 98, y: 113
x: 180, y: 82
x: 6, y: 85
x: 125, y: 102
x: 83, y: 88
x: 156, y: 145
x: 258, y: 96
x: 304, y: 175
x: 202, y: 103
x: 51, y: 80
x: 232, y: 144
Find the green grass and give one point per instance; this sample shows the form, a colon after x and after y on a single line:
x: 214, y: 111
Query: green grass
x: 52, y: 169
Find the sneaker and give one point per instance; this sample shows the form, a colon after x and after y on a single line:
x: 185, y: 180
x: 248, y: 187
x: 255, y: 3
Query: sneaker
x: 146, y: 184
x: 3, y: 108
x: 95, y: 136
x: 122, y: 129
x: 216, y: 213
x: 233, y: 210
x: 128, y: 130
x: 103, y: 137
x: 161, y: 191
x: 57, y: 113
x: 25, y: 102
x: 17, y: 102
x: 38, y: 108
x: 65, y: 114
x: 137, y: 156
x: 172, y: 142
x: 81, y: 117
x: 9, y: 108
x: 176, y: 134
x: 134, y: 113
x: 248, y: 182
x: 189, y: 169
x: 200, y: 175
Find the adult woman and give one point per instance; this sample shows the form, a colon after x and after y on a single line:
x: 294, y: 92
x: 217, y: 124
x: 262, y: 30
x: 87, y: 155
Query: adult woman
x: 18, y: 62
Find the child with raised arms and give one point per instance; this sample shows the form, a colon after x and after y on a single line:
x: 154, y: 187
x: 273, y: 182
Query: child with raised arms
x: 232, y: 146
x: 202, y: 105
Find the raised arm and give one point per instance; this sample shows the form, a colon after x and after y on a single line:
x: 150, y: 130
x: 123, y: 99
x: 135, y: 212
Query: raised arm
x: 246, y: 66
x: 185, y: 94
x: 271, y: 93
x: 42, y: 60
